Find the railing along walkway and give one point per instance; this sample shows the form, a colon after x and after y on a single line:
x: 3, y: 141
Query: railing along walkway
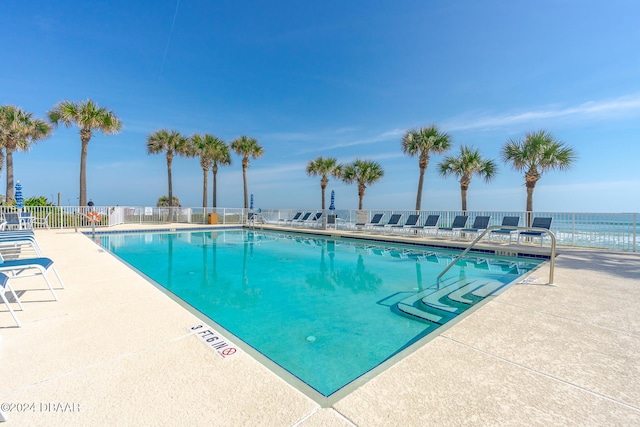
x: 496, y: 227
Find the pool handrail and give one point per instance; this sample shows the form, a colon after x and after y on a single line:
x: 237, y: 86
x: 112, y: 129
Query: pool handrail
x: 493, y: 227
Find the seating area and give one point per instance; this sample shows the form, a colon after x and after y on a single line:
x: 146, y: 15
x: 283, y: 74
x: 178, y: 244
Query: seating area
x: 393, y: 221
x: 23, y: 221
x: 21, y: 257
x: 411, y: 224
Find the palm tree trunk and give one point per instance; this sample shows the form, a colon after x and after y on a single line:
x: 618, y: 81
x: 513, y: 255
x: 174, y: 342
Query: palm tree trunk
x: 170, y: 187
x: 246, y: 195
x: 361, y: 189
x: 205, y: 172
x: 530, y: 189
x: 10, y: 194
x: 420, y: 185
x: 84, y: 146
x: 323, y: 198
x: 215, y: 185
x: 463, y: 194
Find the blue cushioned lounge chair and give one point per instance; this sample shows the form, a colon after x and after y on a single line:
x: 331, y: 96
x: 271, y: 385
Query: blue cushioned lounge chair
x: 458, y: 223
x: 295, y: 217
x: 374, y: 221
x: 394, y: 220
x: 480, y: 223
x: 12, y: 221
x: 17, y: 266
x: 412, y: 221
x: 302, y: 219
x: 315, y: 220
x: 507, y: 221
x: 431, y: 223
x: 539, y: 222
x: 13, y: 243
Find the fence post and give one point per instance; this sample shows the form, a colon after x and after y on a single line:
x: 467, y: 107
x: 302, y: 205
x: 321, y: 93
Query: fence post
x: 635, y: 229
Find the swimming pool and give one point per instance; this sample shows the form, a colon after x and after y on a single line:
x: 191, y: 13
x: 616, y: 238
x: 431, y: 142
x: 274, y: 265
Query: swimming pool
x: 327, y: 310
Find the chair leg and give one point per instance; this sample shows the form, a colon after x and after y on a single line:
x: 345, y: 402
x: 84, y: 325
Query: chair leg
x: 44, y: 276
x: 15, y: 296
x: 4, y: 299
x: 58, y: 276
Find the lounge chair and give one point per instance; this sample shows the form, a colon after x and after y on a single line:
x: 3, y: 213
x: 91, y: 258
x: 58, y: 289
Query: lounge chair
x: 315, y: 220
x: 302, y: 219
x: 393, y: 220
x: 539, y: 222
x: 4, y: 287
x: 374, y: 221
x: 458, y: 223
x: 26, y: 221
x: 295, y: 217
x: 12, y: 221
x: 255, y: 218
x: 12, y: 242
x: 40, y: 222
x: 480, y: 223
x: 412, y: 221
x: 17, y: 266
x: 332, y: 221
x: 14, y: 247
x: 507, y: 221
x: 431, y: 223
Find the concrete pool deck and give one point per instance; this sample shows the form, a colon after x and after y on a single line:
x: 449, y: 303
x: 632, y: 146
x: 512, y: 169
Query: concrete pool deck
x: 114, y: 350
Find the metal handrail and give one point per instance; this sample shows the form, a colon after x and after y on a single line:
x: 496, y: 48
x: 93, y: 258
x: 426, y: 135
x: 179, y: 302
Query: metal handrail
x: 494, y: 227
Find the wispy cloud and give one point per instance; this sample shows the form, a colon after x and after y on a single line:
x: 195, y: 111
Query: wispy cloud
x: 391, y: 135
x: 378, y: 156
x: 602, y: 109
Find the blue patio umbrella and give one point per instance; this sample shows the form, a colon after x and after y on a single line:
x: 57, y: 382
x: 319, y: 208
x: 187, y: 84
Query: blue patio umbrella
x: 19, y: 198
x: 332, y: 207
x: 251, y: 202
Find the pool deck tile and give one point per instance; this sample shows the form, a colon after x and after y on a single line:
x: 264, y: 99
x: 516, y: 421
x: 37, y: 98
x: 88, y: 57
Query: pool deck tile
x: 120, y: 349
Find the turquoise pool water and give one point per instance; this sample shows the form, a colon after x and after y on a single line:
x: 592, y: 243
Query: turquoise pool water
x: 326, y: 310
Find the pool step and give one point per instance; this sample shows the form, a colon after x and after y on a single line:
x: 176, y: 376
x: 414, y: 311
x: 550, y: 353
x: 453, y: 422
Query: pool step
x: 441, y: 305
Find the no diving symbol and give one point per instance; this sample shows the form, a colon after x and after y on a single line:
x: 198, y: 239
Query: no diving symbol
x: 228, y: 351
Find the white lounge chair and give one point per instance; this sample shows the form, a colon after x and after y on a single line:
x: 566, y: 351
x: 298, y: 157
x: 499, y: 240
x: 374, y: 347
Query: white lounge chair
x: 374, y: 221
x: 14, y: 240
x: 41, y: 222
x: 458, y: 223
x: 431, y: 223
x: 480, y: 223
x: 18, y: 266
x: 4, y: 287
x: 507, y: 221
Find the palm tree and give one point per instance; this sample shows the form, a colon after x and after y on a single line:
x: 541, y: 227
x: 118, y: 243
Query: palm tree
x: 538, y: 153
x: 246, y: 147
x: 464, y: 166
x: 202, y: 147
x: 221, y: 156
x: 18, y: 130
x: 323, y: 167
x: 89, y: 118
x: 365, y: 173
x: 422, y: 142
x: 172, y: 143
x: 163, y: 202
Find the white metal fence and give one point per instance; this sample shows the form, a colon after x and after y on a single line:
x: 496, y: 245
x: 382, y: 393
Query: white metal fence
x: 615, y: 231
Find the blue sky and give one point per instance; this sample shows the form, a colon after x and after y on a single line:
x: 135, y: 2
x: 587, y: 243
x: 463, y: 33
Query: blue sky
x: 331, y: 78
